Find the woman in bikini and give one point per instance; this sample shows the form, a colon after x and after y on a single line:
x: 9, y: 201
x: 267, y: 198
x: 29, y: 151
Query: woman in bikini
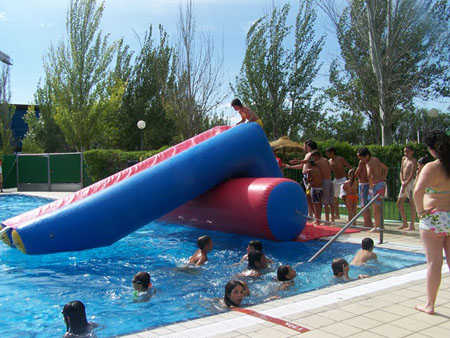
x: 246, y: 113
x: 432, y: 198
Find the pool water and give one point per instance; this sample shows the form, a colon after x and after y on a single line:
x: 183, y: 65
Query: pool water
x: 33, y: 289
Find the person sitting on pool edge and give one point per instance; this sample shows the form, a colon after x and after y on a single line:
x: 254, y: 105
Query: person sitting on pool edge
x: 205, y: 245
x: 341, y: 268
x: 286, y: 275
x: 235, y: 291
x: 74, y: 314
x: 142, y: 286
x: 256, y: 245
x: 365, y: 253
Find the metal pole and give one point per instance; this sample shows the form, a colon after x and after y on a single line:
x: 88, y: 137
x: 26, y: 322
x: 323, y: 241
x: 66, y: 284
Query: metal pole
x: 81, y: 170
x: 381, y: 222
x: 49, y: 179
x: 349, y: 224
x: 17, y: 171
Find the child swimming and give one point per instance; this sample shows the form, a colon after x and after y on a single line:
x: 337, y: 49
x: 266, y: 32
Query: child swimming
x: 253, y: 246
x: 255, y: 264
x: 142, y: 286
x: 76, y: 323
x: 365, y: 253
x: 286, y: 275
x: 341, y: 269
x: 205, y: 245
x: 235, y: 291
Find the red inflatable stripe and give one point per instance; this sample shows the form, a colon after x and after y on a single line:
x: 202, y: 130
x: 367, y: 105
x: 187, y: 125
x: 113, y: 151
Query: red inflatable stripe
x: 22, y: 219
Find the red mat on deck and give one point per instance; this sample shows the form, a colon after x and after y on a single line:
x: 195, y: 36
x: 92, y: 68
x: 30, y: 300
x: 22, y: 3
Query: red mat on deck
x: 314, y: 232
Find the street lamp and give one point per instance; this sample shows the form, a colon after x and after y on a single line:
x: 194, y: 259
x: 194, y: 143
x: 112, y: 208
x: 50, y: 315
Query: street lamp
x: 141, y: 125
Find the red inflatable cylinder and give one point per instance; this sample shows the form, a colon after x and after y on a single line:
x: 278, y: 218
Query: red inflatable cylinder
x: 271, y: 208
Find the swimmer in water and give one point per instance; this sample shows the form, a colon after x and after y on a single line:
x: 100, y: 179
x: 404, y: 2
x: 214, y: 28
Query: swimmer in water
x: 142, y: 287
x: 341, y: 269
x: 255, y: 265
x: 286, y: 275
x: 76, y: 323
x: 365, y: 254
x: 205, y: 245
x: 235, y: 291
x: 253, y: 246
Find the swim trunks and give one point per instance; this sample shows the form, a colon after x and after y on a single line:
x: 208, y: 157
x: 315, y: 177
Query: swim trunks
x: 328, y: 193
x: 352, y: 197
x: 378, y: 188
x: 338, y: 183
x: 437, y: 222
x: 407, y: 191
x: 363, y: 192
x: 316, y: 195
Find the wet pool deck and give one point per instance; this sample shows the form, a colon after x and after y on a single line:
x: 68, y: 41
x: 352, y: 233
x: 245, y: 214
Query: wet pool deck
x: 379, y: 306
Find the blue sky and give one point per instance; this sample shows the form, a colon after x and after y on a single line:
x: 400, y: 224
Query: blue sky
x: 29, y: 27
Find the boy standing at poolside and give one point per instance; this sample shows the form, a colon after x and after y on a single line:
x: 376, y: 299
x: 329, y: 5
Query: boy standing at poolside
x: 377, y: 173
x: 246, y: 113
x: 407, y: 172
x: 366, y: 252
x: 338, y: 165
x: 314, y: 180
x: 327, y: 185
x: 205, y: 245
x: 363, y: 192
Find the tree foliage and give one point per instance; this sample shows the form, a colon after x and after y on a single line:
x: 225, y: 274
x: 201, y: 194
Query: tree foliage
x: 392, y: 53
x: 276, y: 79
x: 6, y: 112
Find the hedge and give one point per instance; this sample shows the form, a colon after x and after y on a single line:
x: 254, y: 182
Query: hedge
x: 101, y: 163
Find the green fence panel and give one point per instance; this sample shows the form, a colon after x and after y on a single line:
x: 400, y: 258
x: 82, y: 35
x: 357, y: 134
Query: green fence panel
x: 33, y: 169
x: 9, y: 171
x: 65, y: 168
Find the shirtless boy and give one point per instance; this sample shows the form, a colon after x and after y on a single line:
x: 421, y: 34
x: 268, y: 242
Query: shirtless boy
x: 253, y: 246
x: 363, y: 192
x: 246, y: 113
x: 255, y: 265
x: 327, y: 186
x: 376, y: 172
x: 365, y: 254
x: 407, y: 172
x: 205, y: 245
x: 341, y: 269
x: 314, y: 180
x: 338, y: 165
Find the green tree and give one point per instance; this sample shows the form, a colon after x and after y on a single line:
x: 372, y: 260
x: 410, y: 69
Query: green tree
x: 78, y: 73
x: 195, y: 88
x: 276, y: 79
x: 394, y: 48
x: 6, y: 112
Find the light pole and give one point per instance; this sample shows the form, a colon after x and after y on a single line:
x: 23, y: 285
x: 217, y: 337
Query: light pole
x: 141, y: 125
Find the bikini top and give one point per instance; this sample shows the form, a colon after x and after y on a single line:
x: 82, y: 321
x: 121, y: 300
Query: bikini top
x: 433, y: 191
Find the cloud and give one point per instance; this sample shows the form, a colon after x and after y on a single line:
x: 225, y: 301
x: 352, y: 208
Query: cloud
x: 2, y: 16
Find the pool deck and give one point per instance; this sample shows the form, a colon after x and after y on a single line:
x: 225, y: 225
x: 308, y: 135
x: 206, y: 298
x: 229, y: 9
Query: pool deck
x: 379, y: 306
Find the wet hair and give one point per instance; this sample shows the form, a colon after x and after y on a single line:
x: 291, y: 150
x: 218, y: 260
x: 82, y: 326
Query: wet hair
x: 316, y: 154
x: 236, y: 102
x: 423, y: 160
x: 364, y: 152
x: 367, y: 244
x: 75, y: 317
x: 282, y: 273
x: 257, y: 245
x: 228, y: 289
x: 338, y: 265
x: 439, y: 141
x: 202, y: 241
x: 311, y: 144
x: 331, y: 150
x: 254, y: 257
x: 142, y: 278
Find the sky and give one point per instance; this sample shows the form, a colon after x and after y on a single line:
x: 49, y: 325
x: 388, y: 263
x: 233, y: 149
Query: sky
x: 29, y: 27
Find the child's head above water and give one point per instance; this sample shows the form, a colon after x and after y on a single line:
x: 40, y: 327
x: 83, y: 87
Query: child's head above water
x: 204, y: 243
x: 367, y: 244
x: 235, y: 291
x: 255, y: 260
x: 285, y: 273
x: 75, y: 317
x: 141, y: 281
x: 339, y: 267
x: 254, y: 246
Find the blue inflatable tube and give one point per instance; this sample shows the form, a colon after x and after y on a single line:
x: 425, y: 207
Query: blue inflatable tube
x: 105, y: 217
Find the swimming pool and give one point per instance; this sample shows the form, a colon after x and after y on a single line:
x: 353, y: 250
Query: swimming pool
x: 33, y: 289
